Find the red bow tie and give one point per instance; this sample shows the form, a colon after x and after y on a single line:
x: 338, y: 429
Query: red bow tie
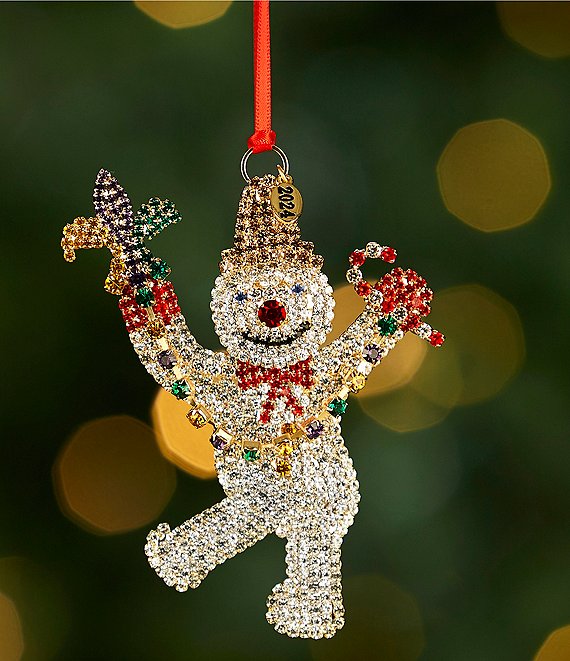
x: 280, y: 382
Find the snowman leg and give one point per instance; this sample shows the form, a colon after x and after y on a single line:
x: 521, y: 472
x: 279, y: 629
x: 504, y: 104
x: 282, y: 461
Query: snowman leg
x: 309, y: 602
x: 183, y: 557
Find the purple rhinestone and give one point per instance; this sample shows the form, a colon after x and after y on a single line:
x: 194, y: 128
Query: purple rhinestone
x: 112, y: 204
x: 166, y: 359
x: 371, y: 353
x: 218, y: 442
x: 137, y: 279
x: 314, y: 429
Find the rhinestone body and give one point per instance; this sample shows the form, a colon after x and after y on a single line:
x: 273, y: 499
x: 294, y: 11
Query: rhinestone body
x: 270, y: 389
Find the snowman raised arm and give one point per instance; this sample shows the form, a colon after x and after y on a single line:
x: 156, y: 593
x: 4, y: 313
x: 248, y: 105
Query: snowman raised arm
x: 274, y: 397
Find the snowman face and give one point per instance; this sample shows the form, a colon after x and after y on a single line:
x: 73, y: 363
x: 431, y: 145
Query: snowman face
x: 272, y: 317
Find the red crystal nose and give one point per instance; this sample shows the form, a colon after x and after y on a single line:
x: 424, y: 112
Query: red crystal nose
x: 272, y: 314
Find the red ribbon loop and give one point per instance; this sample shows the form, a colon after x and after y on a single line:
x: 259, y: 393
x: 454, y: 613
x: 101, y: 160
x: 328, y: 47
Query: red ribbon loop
x: 263, y: 137
x: 261, y: 141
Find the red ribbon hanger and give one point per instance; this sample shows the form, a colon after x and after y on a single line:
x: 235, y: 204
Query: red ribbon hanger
x: 263, y: 138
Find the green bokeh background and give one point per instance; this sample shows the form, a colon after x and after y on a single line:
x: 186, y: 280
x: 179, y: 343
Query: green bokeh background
x: 470, y: 517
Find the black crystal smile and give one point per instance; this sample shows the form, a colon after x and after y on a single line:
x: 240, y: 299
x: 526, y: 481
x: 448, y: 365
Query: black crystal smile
x: 278, y: 343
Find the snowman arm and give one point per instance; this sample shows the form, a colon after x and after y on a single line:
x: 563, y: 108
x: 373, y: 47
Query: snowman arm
x: 354, y: 350
x: 365, y: 343
x: 150, y: 309
x: 397, y: 304
x: 164, y: 344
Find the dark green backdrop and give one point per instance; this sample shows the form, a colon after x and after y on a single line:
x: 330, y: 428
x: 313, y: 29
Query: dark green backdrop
x: 365, y: 98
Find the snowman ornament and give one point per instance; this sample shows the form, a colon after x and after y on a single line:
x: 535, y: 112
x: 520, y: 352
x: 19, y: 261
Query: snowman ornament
x: 274, y: 397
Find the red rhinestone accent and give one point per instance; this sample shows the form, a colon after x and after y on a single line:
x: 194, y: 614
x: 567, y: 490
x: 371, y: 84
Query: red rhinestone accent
x: 412, y: 322
x: 280, y: 381
x: 389, y: 255
x: 134, y: 316
x: 407, y: 290
x: 357, y: 258
x: 165, y: 305
x: 387, y: 306
x: 362, y: 288
x: 272, y: 314
x: 436, y: 338
x: 166, y: 302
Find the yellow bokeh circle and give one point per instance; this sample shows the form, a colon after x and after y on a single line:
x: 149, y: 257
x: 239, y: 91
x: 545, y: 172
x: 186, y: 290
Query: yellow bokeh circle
x: 484, y: 350
x: 541, y: 27
x: 398, y: 367
x: 383, y: 622
x: 485, y: 332
x: 348, y: 305
x: 181, y: 443
x: 494, y: 175
x: 11, y: 638
x: 183, y: 14
x: 111, y: 478
x: 425, y: 400
x: 556, y: 647
x: 34, y: 614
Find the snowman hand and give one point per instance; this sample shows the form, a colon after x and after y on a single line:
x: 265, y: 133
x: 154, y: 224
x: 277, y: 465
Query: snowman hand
x: 147, y: 301
x: 400, y: 298
x: 395, y: 305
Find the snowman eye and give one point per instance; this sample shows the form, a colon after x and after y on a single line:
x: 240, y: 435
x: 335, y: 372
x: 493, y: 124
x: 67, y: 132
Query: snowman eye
x: 240, y: 297
x: 297, y: 289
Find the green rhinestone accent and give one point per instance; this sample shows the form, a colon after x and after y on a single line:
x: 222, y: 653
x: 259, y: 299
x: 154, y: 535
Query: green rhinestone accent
x: 180, y: 389
x: 387, y: 325
x: 251, y: 454
x: 144, y: 297
x: 146, y: 255
x: 337, y: 406
x: 159, y: 269
x: 154, y: 216
x: 138, y: 230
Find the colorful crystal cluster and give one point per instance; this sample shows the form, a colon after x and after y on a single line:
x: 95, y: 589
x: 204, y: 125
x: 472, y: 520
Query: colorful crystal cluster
x: 156, y: 298
x: 274, y: 397
x: 279, y: 384
x: 403, y: 296
x: 124, y: 233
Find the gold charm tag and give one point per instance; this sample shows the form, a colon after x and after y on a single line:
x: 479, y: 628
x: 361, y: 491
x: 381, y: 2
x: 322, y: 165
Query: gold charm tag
x: 286, y: 200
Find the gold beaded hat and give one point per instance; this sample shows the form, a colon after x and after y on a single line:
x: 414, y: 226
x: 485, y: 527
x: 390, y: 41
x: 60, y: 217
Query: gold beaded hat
x: 260, y: 238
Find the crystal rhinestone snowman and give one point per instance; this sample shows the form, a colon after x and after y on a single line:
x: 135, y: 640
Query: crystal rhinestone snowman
x: 274, y: 397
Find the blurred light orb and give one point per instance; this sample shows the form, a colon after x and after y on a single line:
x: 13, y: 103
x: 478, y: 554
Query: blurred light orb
x: 182, y: 14
x: 181, y: 443
x: 11, y: 638
x: 556, y: 647
x: 485, y: 333
x: 427, y: 396
x: 348, y: 305
x: 41, y: 621
x: 484, y: 350
x: 110, y: 477
x: 541, y: 27
x: 383, y: 622
x: 494, y: 175
x: 405, y: 410
x: 398, y: 367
